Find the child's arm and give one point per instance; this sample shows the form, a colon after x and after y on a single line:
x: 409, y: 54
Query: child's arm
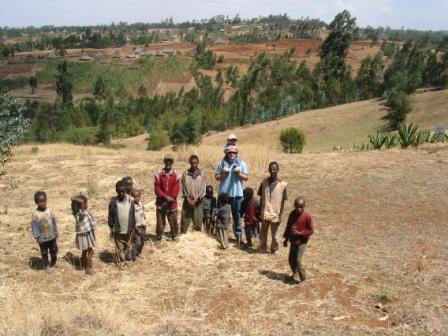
x: 286, y: 234
x: 55, y: 227
x: 35, y: 228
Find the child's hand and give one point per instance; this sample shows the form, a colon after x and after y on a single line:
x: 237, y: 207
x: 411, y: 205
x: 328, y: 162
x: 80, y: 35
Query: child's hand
x: 169, y: 199
x: 285, y: 243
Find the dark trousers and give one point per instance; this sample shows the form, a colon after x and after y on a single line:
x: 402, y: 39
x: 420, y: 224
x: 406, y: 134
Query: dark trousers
x: 123, y: 246
x: 296, y: 253
x: 235, y: 205
x: 251, y: 231
x: 162, y: 216
x: 139, y: 239
x: 191, y: 214
x: 49, y: 246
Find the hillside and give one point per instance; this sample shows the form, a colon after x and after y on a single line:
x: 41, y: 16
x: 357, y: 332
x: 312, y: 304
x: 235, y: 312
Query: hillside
x: 377, y: 239
x: 340, y: 125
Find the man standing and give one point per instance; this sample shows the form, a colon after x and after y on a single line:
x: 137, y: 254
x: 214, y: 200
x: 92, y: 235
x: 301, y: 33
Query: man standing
x: 231, y: 173
x: 193, y: 190
x: 166, y: 188
x: 273, y: 195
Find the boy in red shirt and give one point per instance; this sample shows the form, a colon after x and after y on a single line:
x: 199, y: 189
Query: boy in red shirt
x: 250, y: 211
x: 298, y: 230
x: 166, y: 188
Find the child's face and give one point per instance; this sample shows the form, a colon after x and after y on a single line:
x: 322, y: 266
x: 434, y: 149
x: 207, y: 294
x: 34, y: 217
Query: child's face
x: 42, y: 202
x: 121, y: 192
x: 247, y: 197
x: 137, y: 196
x: 299, y: 206
x: 129, y: 186
x: 209, y: 192
x: 273, y: 170
x: 168, y: 163
x: 194, y: 164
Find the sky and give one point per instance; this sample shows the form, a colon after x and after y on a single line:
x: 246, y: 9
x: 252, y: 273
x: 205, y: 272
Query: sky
x: 410, y: 14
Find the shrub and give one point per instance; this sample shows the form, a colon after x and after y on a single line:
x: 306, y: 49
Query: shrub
x: 377, y: 140
x: 439, y: 134
x: 383, y: 296
x: 407, y: 135
x: 292, y: 140
x: 158, y: 139
x: 79, y: 136
x: 12, y: 125
x: 423, y: 137
x: 390, y: 141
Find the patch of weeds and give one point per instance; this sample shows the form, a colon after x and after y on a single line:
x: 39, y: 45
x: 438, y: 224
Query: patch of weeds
x: 92, y: 187
x: 34, y: 150
x: 383, y: 295
x: 115, y: 146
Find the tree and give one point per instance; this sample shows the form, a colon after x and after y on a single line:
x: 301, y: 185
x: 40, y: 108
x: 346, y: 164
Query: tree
x: 292, y: 140
x: 33, y: 84
x: 100, y: 90
x: 334, y: 49
x: 399, y: 105
x: 13, y: 125
x: 63, y: 84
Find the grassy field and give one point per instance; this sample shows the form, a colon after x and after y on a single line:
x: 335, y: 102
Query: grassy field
x: 340, y: 125
x: 381, y: 219
x: 121, y: 77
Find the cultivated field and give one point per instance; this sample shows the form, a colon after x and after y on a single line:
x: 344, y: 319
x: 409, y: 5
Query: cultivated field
x: 157, y: 75
x: 377, y: 262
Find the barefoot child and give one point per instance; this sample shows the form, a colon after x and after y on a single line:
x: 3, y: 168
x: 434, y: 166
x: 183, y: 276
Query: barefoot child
x: 250, y: 211
x: 121, y: 221
x: 85, y: 232
x: 208, y: 204
x: 140, y: 222
x: 298, y: 230
x: 45, y: 230
x: 222, y: 218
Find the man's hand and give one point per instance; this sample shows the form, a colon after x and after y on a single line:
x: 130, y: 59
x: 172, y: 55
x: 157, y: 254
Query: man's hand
x: 285, y: 243
x: 225, y: 170
x: 237, y: 170
x: 191, y: 202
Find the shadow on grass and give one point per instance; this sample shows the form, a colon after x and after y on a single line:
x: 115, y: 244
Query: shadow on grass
x: 35, y: 263
x: 107, y: 257
x: 73, y: 260
x: 283, y: 277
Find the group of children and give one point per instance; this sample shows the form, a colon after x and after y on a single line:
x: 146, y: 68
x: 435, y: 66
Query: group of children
x: 126, y: 220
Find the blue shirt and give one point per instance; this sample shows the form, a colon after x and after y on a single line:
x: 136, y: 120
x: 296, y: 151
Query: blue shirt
x: 232, y: 185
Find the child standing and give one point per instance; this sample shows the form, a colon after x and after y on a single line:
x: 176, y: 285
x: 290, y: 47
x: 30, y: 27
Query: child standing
x: 121, y: 221
x: 298, y: 230
x: 209, y: 205
x: 222, y: 217
x: 85, y: 232
x: 250, y: 211
x: 140, y: 222
x: 273, y: 195
x: 45, y: 230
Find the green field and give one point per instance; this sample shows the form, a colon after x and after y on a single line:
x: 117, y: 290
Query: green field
x: 121, y: 78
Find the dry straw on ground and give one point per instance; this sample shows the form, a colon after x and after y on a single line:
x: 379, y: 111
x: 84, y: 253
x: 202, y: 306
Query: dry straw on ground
x: 380, y: 222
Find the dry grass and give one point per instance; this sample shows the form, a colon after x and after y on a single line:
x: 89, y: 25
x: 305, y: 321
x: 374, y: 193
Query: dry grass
x: 381, y: 219
x: 340, y: 125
